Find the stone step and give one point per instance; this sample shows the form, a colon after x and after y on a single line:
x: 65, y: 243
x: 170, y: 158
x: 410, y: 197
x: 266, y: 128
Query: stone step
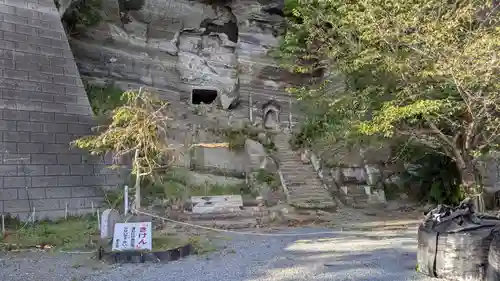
x: 296, y: 164
x: 306, y: 185
x: 305, y: 188
x: 309, y: 194
x: 315, y: 205
x: 292, y: 161
x: 310, y: 198
x: 296, y: 169
x: 299, y: 175
x: 302, y: 183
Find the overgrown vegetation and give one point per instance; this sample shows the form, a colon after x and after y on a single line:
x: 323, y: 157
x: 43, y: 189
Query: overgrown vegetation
x: 433, y: 177
x: 138, y: 129
x: 81, y: 233
x: 103, y: 99
x: 420, y: 72
x: 236, y: 137
x: 176, y: 186
x: 82, y: 14
x: 271, y: 179
x: 75, y: 232
x: 202, y: 245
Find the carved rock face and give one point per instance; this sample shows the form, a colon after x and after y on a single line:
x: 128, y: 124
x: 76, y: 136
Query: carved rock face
x: 271, y: 111
x: 181, y: 45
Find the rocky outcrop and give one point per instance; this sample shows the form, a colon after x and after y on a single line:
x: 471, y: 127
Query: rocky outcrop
x: 192, y: 50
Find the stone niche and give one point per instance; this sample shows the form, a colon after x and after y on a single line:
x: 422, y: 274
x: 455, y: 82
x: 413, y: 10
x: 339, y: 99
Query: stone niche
x: 271, y: 115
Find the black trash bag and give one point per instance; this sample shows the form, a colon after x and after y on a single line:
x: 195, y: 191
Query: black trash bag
x: 493, y: 271
x: 453, y: 243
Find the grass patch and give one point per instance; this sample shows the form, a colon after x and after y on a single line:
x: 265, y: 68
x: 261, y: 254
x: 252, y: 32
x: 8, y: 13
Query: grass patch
x: 175, y: 184
x: 236, y: 137
x: 163, y: 242
x: 271, y: 179
x: 65, y: 234
x: 202, y: 245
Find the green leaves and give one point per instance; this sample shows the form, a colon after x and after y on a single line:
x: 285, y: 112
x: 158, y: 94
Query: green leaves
x: 427, y: 71
x: 385, y: 120
x: 139, y: 123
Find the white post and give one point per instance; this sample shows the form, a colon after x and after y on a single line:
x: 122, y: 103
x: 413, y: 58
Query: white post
x: 66, y: 211
x: 290, y: 114
x: 250, y: 106
x: 98, y: 219
x: 33, y: 216
x: 92, y: 206
x: 125, y: 200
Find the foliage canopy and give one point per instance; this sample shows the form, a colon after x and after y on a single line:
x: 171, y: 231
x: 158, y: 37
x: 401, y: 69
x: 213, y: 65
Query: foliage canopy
x: 427, y: 72
x: 138, y: 125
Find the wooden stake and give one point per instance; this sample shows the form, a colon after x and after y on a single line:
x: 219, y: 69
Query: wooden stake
x: 98, y: 219
x: 125, y: 200
x: 66, y: 211
x: 3, y: 224
x: 250, y: 106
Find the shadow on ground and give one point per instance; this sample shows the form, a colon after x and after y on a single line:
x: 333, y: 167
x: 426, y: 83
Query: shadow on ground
x: 335, y: 256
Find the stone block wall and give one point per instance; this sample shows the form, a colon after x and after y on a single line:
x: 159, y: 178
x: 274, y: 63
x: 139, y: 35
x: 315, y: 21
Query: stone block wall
x: 43, y: 106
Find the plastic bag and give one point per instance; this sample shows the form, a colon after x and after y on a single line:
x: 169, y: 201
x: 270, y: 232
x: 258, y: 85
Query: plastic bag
x: 493, y: 271
x: 453, y: 243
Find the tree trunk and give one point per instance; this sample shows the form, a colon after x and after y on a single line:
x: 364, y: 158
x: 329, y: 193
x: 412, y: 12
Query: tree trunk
x: 468, y: 178
x: 137, y: 181
x: 471, y: 182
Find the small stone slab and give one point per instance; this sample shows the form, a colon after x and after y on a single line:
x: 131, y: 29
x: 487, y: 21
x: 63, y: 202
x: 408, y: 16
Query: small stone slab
x: 109, y: 219
x: 209, y: 204
x: 145, y: 257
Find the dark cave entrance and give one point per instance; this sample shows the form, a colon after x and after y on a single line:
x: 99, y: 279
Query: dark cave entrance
x: 230, y: 28
x: 206, y: 96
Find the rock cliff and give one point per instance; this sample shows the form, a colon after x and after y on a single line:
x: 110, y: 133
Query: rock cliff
x: 197, y: 51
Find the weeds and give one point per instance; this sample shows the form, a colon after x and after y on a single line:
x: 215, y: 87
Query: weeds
x: 103, y: 99
x: 271, y: 179
x: 236, y: 137
x: 176, y: 184
x: 75, y: 232
x: 202, y: 245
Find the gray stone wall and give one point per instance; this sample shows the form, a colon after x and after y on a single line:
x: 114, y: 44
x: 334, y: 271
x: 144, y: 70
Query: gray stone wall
x: 43, y: 106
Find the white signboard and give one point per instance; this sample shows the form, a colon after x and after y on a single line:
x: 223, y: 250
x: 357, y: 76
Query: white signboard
x: 132, y: 236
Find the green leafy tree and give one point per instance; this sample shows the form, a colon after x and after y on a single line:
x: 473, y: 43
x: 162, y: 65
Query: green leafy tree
x: 427, y: 72
x: 137, y: 128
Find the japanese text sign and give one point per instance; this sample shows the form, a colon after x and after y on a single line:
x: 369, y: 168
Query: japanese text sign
x: 132, y: 236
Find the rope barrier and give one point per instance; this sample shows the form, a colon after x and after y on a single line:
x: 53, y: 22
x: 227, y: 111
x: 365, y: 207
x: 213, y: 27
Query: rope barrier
x: 232, y: 231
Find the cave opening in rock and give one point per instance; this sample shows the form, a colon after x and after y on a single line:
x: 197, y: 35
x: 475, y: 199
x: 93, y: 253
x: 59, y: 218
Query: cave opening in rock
x: 206, y: 96
x: 229, y: 28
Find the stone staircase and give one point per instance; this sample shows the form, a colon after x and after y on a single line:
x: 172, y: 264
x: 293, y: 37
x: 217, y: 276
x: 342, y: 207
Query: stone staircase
x: 354, y: 195
x: 302, y: 185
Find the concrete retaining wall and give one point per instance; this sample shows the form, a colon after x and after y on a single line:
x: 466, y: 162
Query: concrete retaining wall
x: 43, y: 106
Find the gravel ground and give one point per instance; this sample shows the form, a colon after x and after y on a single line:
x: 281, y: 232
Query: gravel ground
x: 348, y: 255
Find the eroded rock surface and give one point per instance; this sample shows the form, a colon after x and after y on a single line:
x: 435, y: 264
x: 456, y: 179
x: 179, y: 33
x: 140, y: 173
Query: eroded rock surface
x: 181, y: 47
